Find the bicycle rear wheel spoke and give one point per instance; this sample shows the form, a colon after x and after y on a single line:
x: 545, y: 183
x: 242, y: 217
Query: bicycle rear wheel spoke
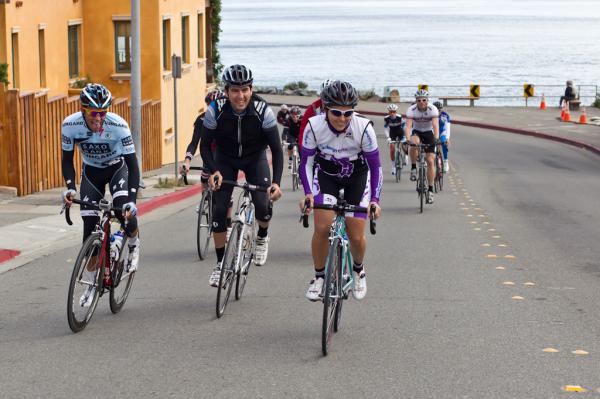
x: 89, y: 258
x: 228, y: 269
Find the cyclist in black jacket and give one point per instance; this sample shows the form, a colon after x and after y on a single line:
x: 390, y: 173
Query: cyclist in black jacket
x: 191, y: 148
x: 242, y: 125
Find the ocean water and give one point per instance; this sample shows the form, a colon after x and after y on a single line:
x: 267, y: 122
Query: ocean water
x: 399, y: 43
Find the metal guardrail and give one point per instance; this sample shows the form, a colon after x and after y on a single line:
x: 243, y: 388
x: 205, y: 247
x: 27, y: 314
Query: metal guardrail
x: 499, y: 92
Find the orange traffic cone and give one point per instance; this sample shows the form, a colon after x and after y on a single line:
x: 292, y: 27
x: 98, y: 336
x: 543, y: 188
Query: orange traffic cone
x: 543, y: 103
x: 567, y: 117
x: 562, y: 112
x: 583, y: 116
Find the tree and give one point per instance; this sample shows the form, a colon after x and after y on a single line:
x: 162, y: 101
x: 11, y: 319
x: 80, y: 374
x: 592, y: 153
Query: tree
x: 216, y: 30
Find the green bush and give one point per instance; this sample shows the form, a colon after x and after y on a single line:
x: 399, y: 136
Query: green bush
x: 596, y: 103
x: 299, y: 85
x: 80, y: 83
x: 4, y: 73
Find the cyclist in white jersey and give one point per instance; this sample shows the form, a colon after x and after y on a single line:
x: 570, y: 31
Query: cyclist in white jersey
x: 422, y: 126
x: 339, y: 150
x: 108, y: 154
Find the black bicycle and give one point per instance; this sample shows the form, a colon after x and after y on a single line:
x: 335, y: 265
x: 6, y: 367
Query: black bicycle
x: 439, y: 168
x: 399, y: 159
x: 109, y: 268
x: 295, y: 167
x: 205, y: 210
x: 422, y: 189
x: 338, y: 269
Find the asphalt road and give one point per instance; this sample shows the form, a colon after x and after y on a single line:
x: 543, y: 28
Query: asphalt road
x: 441, y: 319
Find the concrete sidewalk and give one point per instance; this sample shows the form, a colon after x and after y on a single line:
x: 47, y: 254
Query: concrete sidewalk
x: 527, y: 118
x: 31, y: 226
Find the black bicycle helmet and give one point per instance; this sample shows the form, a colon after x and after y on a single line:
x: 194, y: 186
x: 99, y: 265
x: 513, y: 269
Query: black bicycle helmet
x: 339, y: 93
x: 438, y: 105
x: 95, y: 95
x: 237, y: 75
x: 213, y: 95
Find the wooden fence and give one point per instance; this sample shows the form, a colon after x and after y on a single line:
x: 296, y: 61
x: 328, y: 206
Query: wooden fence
x: 30, y: 143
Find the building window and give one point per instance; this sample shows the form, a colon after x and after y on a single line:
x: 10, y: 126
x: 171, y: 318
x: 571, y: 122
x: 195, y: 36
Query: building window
x: 123, y: 46
x: 74, y: 35
x: 15, y: 60
x: 185, y: 39
x: 42, y: 56
x: 166, y: 37
x: 201, y: 36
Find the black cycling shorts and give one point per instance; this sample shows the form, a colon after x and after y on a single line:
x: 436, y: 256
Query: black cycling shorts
x: 426, y: 137
x: 396, y: 134
x: 93, y: 188
x: 257, y: 172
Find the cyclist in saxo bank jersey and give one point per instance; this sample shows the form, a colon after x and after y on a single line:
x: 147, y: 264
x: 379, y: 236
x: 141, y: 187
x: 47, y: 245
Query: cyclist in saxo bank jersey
x: 422, y: 126
x: 242, y: 125
x: 109, y: 158
x: 340, y: 151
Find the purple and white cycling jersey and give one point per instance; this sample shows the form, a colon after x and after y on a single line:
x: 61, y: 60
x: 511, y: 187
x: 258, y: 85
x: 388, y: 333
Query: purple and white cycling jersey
x: 357, y: 142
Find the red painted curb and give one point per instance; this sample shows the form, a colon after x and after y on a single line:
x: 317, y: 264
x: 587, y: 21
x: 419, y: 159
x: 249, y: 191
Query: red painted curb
x: 165, y: 199
x: 8, y: 254
x: 533, y: 133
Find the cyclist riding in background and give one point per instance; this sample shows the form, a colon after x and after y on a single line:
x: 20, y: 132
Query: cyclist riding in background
x: 193, y: 145
x: 282, y: 117
x: 108, y: 154
x: 394, y: 129
x: 340, y: 151
x: 242, y: 125
x: 445, y: 125
x: 293, y: 124
x: 422, y: 127
x: 314, y: 109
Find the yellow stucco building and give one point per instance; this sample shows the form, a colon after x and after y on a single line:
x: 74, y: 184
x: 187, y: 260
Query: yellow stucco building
x: 49, y: 45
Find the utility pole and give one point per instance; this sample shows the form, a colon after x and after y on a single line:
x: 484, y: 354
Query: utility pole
x: 136, y: 84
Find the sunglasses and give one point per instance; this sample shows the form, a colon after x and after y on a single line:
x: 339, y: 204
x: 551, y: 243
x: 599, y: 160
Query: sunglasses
x: 422, y: 100
x: 94, y: 113
x: 338, y: 113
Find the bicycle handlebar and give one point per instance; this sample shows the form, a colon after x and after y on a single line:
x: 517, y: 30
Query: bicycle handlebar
x: 103, y: 205
x: 184, y: 173
x: 343, y: 208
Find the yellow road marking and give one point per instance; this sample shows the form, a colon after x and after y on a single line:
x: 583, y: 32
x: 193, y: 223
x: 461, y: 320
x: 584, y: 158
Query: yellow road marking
x: 529, y: 284
x: 502, y: 245
x: 486, y: 222
x: 517, y: 298
x: 508, y: 283
x: 473, y: 222
x: 496, y: 237
x: 491, y: 229
x: 580, y: 352
x: 574, y: 388
x: 512, y: 257
x: 500, y: 268
x: 550, y: 350
x: 491, y: 256
x: 486, y: 245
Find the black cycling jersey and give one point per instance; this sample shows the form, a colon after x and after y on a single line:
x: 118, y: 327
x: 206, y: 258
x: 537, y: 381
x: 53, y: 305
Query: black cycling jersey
x: 191, y: 148
x: 395, y: 125
x: 241, y: 136
x: 293, y: 128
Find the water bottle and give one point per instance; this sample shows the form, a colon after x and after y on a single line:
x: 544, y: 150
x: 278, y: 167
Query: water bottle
x: 116, y: 243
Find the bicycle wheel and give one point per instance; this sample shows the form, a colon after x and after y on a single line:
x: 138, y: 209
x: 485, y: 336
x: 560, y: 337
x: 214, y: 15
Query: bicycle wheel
x: 294, y: 173
x: 228, y: 268
x: 77, y: 315
x: 421, y: 185
x: 122, y: 281
x: 398, y: 165
x: 204, y: 229
x: 332, y: 294
x: 248, y: 246
x: 337, y: 321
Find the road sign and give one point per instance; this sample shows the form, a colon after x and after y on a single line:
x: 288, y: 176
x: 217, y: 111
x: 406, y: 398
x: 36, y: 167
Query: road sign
x: 424, y: 87
x: 528, y: 90
x: 474, y: 91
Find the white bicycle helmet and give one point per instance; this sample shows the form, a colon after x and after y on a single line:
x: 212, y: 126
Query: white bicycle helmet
x: 392, y: 107
x: 421, y: 93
